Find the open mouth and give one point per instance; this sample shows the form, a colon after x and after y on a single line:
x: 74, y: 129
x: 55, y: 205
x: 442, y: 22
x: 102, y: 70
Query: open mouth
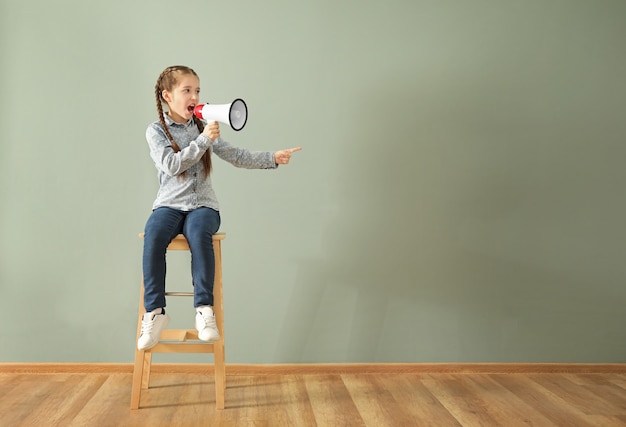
x: 190, y: 108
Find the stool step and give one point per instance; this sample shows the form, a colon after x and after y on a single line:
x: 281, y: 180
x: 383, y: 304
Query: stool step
x: 186, y: 347
x: 172, y: 339
x: 179, y: 294
x: 179, y: 335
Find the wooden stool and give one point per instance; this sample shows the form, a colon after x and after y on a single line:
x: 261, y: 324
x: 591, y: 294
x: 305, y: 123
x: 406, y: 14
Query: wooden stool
x: 178, y: 340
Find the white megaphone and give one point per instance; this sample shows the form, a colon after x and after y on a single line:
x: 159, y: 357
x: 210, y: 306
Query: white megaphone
x: 234, y: 114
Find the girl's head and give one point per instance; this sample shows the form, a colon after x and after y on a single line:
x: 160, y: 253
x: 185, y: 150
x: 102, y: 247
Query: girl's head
x: 179, y: 87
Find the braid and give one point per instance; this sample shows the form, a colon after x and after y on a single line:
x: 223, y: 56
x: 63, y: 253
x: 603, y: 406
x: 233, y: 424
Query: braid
x: 206, y: 157
x: 159, y: 103
x: 166, y: 81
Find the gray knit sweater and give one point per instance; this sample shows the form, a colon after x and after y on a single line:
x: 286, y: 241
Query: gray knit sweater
x: 194, y: 189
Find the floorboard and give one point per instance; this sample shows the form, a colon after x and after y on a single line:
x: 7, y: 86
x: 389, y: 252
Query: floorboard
x: 319, y: 399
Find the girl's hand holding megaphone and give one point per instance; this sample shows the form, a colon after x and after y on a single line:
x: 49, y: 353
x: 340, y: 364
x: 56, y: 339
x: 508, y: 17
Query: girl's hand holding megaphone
x: 212, y: 130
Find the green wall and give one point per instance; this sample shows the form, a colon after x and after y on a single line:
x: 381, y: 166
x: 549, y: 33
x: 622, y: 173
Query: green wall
x: 459, y: 196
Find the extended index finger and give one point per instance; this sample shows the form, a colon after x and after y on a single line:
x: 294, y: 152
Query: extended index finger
x: 292, y: 150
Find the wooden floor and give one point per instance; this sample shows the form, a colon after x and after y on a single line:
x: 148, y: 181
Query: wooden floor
x: 397, y: 399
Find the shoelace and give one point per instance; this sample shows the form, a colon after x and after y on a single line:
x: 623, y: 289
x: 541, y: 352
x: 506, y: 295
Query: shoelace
x: 146, y: 325
x: 208, y: 320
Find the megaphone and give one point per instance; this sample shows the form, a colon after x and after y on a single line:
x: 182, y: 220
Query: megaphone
x: 234, y: 114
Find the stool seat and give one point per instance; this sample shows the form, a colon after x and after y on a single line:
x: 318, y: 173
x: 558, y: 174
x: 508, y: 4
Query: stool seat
x: 185, y: 340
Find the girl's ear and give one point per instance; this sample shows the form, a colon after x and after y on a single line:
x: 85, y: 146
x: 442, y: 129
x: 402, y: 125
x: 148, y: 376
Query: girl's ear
x: 166, y: 96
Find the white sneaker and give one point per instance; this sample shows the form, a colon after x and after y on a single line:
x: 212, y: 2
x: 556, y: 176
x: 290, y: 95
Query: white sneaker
x: 205, y: 324
x: 152, y: 324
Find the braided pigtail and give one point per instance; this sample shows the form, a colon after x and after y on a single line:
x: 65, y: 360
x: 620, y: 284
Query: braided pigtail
x: 164, y: 83
x: 206, y: 157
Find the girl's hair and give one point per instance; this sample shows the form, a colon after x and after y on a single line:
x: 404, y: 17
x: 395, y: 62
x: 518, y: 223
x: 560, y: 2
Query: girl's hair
x: 167, y: 81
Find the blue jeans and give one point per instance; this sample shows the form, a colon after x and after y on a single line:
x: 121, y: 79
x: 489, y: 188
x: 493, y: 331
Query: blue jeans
x: 198, y: 227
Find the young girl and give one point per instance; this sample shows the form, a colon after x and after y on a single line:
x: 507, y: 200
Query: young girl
x: 181, y: 147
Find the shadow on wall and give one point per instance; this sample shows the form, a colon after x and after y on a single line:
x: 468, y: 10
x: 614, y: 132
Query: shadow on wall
x: 441, y: 244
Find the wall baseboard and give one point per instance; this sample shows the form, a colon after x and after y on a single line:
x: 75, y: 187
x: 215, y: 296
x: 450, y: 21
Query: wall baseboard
x: 320, y: 368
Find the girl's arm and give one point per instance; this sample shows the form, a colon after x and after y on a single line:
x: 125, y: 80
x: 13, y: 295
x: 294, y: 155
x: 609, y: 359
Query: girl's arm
x: 166, y: 159
x: 243, y: 158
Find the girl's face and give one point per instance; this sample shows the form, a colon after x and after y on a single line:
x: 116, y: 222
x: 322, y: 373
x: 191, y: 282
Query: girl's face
x: 182, y: 99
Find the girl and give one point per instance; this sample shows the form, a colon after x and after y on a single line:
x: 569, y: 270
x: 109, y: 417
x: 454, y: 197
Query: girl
x: 181, y: 147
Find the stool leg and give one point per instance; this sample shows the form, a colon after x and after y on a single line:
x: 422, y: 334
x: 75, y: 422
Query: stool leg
x: 220, y: 374
x: 137, y: 379
x: 219, y: 358
x: 147, y: 364
x: 140, y: 359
